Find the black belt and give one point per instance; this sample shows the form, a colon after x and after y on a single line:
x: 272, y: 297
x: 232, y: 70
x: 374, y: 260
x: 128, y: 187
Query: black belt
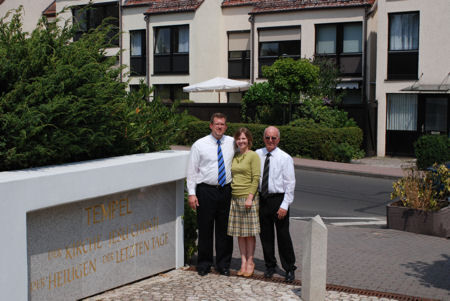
x: 271, y: 195
x: 214, y: 186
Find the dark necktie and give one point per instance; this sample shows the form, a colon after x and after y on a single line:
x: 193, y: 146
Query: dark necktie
x: 222, y: 174
x: 265, y: 179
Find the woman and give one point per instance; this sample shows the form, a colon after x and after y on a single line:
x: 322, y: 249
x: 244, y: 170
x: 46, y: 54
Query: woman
x: 244, y: 211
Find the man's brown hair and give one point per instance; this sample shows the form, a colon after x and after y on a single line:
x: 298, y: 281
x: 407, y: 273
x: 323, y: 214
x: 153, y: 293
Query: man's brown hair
x: 218, y: 115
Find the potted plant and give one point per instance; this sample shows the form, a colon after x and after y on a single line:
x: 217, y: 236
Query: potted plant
x: 421, y: 202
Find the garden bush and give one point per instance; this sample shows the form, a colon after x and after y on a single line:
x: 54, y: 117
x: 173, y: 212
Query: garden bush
x: 262, y: 104
x: 341, y: 152
x: 430, y: 149
x: 190, y: 231
x: 314, y: 109
x: 305, y: 142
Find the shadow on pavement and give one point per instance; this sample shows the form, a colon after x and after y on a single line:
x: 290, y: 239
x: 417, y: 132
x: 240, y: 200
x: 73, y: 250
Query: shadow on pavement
x: 436, y: 274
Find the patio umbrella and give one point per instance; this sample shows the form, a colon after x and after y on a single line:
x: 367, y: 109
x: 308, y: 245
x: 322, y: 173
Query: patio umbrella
x: 218, y: 84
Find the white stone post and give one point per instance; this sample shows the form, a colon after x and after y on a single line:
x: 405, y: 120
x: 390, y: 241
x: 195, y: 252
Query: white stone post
x: 314, y: 263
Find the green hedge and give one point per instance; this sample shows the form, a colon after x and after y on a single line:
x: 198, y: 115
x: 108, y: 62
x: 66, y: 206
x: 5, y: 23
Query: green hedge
x: 295, y: 141
x: 430, y: 149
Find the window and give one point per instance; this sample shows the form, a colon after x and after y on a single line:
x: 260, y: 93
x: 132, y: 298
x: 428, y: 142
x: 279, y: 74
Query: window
x: 137, y: 53
x: 170, y: 93
x: 402, y: 112
x: 436, y: 109
x: 403, y: 53
x: 171, y: 53
x: 278, y: 42
x: 90, y: 17
x: 341, y: 43
x: 239, y: 55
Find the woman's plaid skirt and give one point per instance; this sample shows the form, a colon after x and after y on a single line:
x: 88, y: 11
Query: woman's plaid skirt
x: 243, y: 222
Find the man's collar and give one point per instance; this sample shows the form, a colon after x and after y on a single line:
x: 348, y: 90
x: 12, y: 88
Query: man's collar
x: 215, y: 139
x: 265, y: 151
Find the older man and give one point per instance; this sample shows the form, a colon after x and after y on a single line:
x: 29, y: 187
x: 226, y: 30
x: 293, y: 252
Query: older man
x: 276, y: 194
x: 208, y: 183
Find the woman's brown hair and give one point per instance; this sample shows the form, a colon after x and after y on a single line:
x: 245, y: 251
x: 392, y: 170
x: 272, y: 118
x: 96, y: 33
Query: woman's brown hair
x: 247, y: 134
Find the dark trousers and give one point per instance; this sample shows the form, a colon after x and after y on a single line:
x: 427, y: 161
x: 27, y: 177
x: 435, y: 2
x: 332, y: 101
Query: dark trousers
x: 212, y: 220
x: 269, y: 206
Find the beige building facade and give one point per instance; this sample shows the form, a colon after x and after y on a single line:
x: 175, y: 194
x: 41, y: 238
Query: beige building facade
x: 392, y: 54
x: 412, y: 72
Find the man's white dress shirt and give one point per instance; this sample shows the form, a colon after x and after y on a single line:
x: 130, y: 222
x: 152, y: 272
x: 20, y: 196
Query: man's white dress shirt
x: 281, y: 174
x: 203, y: 164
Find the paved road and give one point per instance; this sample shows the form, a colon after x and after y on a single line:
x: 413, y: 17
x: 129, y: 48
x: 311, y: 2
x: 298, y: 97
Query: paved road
x: 341, y: 199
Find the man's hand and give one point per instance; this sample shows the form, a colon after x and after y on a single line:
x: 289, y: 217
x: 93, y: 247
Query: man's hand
x: 281, y: 213
x: 193, y: 201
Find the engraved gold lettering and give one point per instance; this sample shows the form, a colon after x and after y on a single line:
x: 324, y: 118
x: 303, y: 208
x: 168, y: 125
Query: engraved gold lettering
x: 107, y: 211
x: 63, y: 277
x: 98, y: 217
x: 88, y: 209
x: 128, y: 206
x: 37, y: 284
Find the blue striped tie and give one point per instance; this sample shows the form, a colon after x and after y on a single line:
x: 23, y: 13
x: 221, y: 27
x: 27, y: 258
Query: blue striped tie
x: 222, y: 173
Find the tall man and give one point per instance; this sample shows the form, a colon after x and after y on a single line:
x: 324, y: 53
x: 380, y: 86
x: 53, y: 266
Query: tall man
x: 277, y: 186
x: 208, y: 183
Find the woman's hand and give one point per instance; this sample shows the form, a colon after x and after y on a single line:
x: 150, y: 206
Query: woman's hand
x: 249, y: 201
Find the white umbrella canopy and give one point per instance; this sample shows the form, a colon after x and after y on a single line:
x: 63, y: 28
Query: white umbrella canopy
x: 218, y: 84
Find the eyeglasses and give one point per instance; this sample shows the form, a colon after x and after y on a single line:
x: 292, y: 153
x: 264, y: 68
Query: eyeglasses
x: 271, y: 138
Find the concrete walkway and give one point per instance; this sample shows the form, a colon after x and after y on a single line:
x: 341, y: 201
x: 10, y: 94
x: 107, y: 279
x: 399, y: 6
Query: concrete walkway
x: 364, y: 264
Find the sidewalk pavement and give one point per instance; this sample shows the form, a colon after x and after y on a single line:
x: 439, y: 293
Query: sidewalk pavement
x: 364, y: 264
x: 383, y: 167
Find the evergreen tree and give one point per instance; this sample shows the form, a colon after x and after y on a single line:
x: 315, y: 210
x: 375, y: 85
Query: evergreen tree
x: 62, y: 100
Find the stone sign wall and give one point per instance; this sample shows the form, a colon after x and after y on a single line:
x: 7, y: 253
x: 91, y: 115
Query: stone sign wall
x: 79, y: 229
x: 75, y: 249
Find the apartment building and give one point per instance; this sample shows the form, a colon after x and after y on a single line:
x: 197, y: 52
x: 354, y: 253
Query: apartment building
x: 412, y: 72
x: 392, y: 54
x: 32, y: 10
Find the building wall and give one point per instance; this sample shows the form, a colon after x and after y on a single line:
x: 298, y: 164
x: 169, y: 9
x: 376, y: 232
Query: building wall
x: 32, y: 11
x: 307, y: 19
x: 132, y: 19
x: 65, y: 14
x: 434, y: 45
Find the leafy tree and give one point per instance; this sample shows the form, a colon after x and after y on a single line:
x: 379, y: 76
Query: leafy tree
x: 63, y: 101
x: 328, y: 79
x: 262, y: 104
x: 292, y: 77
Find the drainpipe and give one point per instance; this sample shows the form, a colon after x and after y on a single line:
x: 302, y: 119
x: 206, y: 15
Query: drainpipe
x: 251, y: 19
x: 364, y: 57
x: 120, y: 37
x: 147, y: 49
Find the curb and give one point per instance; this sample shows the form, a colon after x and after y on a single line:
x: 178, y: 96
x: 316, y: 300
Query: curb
x: 347, y: 172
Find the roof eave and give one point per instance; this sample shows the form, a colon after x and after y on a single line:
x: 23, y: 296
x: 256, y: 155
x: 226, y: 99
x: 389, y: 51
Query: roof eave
x: 171, y: 12
x: 307, y: 8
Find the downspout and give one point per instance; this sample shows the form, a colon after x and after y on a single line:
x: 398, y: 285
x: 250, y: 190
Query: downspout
x: 364, y: 57
x: 120, y: 38
x: 147, y: 49
x: 251, y: 19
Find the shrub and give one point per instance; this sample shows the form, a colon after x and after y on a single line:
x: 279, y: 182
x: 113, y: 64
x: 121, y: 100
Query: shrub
x: 430, y: 149
x: 341, y: 152
x: 151, y: 126
x: 190, y: 231
x: 420, y: 190
x: 314, y: 108
x: 306, y: 142
x: 262, y: 104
